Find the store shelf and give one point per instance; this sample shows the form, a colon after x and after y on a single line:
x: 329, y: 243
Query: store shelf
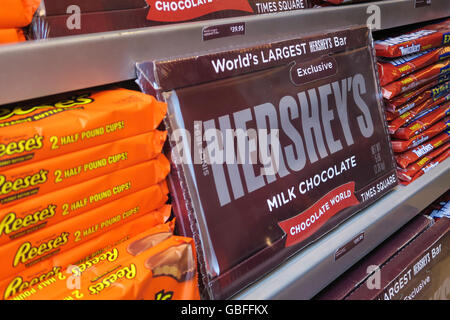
x: 42, y: 68
x: 310, y: 271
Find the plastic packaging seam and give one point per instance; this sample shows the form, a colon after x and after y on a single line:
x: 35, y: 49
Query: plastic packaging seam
x: 380, y: 97
x: 388, y: 261
x: 259, y: 43
x: 192, y: 220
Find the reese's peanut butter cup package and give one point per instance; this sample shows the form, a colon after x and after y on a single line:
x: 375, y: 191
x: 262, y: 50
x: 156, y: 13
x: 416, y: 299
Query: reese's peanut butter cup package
x: 403, y: 145
x: 424, y: 38
x: 408, y: 173
x: 17, y: 13
x: 31, y: 216
x: 159, y: 270
x: 23, y: 253
x: 415, y: 79
x: 42, y: 129
x: 35, y: 179
x: 411, y: 156
x: 87, y: 254
x: 294, y: 145
x: 11, y: 36
x: 392, y: 69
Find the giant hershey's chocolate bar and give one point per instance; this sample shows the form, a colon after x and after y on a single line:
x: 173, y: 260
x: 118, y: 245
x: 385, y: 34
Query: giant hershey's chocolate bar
x: 418, y: 272
x: 272, y: 147
x: 364, y: 272
x: 131, y: 14
x: 62, y: 7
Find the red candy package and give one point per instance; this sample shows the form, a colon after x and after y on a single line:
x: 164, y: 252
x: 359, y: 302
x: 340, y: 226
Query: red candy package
x: 434, y: 93
x: 406, y: 158
x: 408, y: 173
x: 428, y: 106
x: 415, y: 79
x: 431, y: 36
x: 403, y: 145
x: 441, y: 158
x: 390, y: 70
x: 436, y: 87
x: 390, y: 116
x: 423, y: 122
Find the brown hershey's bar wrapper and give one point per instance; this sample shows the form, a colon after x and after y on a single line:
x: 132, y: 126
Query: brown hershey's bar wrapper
x: 61, y: 7
x: 132, y: 15
x: 418, y: 272
x: 365, y: 268
x: 268, y: 162
x: 183, y: 72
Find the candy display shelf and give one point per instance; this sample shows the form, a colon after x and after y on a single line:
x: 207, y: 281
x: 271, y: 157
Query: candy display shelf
x: 41, y: 68
x: 30, y: 70
x: 310, y: 271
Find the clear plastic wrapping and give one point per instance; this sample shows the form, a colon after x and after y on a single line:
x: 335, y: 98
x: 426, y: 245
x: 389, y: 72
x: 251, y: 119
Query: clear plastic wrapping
x: 272, y: 146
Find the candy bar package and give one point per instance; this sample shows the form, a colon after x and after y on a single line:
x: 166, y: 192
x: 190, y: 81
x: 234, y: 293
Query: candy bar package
x: 409, y: 172
x: 406, y: 158
x: 88, y: 253
x: 423, y: 122
x: 23, y: 253
x: 403, y: 145
x: 392, y: 69
x: 11, y: 36
x: 273, y: 146
x: 157, y: 13
x: 151, y: 266
x: 420, y: 271
x: 45, y: 128
x: 432, y: 93
x: 35, y: 179
x: 421, y: 39
x: 17, y: 13
x: 440, y: 208
x: 430, y: 165
x: 417, y: 112
x: 435, y: 89
x: 35, y: 214
x: 416, y: 79
x: 363, y: 272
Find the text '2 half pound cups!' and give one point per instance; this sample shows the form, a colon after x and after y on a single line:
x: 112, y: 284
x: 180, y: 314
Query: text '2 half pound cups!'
x: 273, y: 146
x: 88, y: 254
x: 154, y: 265
x: 23, y: 253
x: 50, y: 127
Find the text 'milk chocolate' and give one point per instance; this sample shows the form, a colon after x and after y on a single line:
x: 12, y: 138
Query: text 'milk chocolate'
x: 300, y: 129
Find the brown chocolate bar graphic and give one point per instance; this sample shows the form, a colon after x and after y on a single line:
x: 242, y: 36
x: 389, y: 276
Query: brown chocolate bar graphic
x: 176, y: 262
x: 143, y: 244
x: 60, y: 7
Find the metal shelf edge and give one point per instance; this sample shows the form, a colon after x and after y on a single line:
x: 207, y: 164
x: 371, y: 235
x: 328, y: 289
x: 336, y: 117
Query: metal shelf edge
x: 311, y: 270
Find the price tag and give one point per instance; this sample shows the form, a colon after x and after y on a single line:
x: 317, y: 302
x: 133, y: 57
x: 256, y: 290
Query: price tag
x: 224, y: 30
x: 422, y: 3
x: 349, y: 246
